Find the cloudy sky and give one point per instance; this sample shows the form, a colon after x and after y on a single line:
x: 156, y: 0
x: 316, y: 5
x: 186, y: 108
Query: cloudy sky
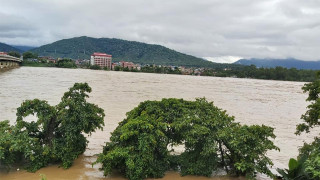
x: 221, y: 30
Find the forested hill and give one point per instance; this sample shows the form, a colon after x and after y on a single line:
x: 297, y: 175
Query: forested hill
x: 8, y: 48
x: 287, y: 63
x: 137, y: 52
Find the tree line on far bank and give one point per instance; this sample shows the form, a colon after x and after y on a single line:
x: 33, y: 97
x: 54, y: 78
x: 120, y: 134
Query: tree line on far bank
x: 252, y: 72
x: 277, y: 73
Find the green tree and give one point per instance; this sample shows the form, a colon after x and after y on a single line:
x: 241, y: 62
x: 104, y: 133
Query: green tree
x: 95, y: 67
x: 66, y: 63
x: 57, y: 136
x: 311, y: 120
x: 12, y: 143
x: 296, y: 170
x: 139, y: 145
x: 117, y: 68
x: 246, y: 148
x: 106, y: 68
x: 308, y: 160
x: 29, y: 55
x: 311, y: 117
x: 125, y: 69
x: 14, y: 54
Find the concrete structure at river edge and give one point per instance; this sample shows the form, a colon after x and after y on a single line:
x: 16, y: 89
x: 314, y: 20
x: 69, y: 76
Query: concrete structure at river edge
x: 7, y: 61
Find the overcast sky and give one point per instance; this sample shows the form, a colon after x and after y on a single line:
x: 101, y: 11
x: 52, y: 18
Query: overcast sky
x: 223, y: 30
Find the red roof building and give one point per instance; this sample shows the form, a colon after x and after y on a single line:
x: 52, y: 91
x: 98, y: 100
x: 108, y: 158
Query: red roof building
x: 129, y: 65
x: 101, y: 59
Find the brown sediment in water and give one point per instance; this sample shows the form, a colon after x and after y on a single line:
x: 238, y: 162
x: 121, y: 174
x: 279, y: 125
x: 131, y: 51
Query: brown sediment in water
x: 81, y: 171
x: 278, y: 104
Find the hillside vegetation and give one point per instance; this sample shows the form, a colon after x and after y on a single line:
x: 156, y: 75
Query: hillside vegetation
x: 7, y: 48
x: 137, y: 52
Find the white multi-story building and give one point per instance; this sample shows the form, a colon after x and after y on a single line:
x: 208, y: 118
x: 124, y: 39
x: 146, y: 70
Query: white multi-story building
x: 101, y: 59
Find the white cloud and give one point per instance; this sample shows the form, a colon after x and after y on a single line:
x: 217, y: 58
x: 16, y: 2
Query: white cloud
x: 206, y: 28
x: 223, y: 59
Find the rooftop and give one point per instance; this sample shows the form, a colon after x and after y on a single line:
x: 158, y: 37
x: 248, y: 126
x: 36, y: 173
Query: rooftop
x: 101, y: 54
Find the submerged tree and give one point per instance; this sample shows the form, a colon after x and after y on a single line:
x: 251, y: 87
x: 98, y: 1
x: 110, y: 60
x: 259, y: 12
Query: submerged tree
x: 311, y: 117
x: 140, y: 146
x: 311, y: 120
x: 307, y: 165
x: 57, y: 134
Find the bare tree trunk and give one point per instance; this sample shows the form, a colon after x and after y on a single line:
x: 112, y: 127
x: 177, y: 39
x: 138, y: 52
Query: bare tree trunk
x: 222, y: 158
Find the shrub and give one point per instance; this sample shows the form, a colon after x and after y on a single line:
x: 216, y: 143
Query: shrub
x: 139, y: 145
x: 57, y: 136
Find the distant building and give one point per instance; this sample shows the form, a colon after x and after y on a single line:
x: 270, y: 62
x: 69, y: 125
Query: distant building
x: 82, y: 62
x: 129, y: 65
x: 185, y: 71
x: 3, y: 53
x: 47, y: 59
x: 101, y: 59
x: 52, y: 60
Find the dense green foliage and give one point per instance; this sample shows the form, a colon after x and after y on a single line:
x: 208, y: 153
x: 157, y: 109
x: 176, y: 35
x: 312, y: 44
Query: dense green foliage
x: 296, y: 170
x: 278, y: 73
x: 308, y: 163
x: 95, y: 67
x: 12, y: 143
x: 286, y: 63
x: 57, y: 136
x: 311, y: 117
x: 141, y: 146
x: 14, y: 54
x: 253, y: 72
x: 312, y: 153
x: 122, y: 50
x: 311, y: 120
x: 29, y: 55
x: 7, y: 48
x: 66, y: 63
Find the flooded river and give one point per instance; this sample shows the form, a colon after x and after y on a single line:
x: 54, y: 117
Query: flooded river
x: 278, y: 104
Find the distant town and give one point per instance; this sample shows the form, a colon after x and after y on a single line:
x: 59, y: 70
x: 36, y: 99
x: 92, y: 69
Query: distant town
x: 103, y: 61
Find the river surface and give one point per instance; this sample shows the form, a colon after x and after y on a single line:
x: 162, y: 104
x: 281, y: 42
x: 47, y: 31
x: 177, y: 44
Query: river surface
x: 278, y: 104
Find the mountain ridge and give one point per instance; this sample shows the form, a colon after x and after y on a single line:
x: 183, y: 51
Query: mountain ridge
x: 138, y: 52
x: 7, y: 48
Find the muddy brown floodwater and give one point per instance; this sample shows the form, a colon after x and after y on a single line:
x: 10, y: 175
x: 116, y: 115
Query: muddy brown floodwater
x: 278, y: 104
